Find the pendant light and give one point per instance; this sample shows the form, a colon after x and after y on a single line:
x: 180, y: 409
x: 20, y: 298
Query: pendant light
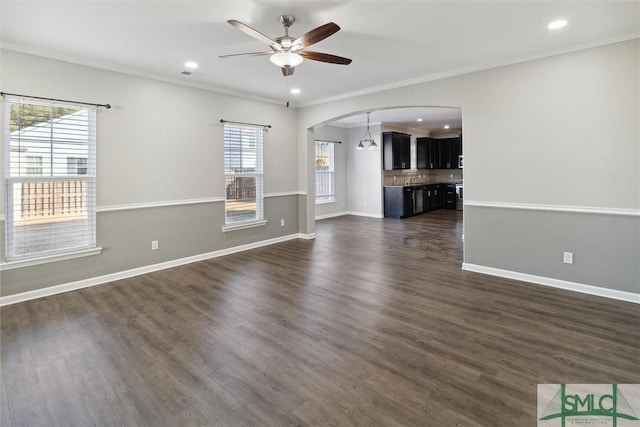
x: 367, y: 139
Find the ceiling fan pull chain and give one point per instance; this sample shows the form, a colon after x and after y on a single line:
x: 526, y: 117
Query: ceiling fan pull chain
x: 287, y: 93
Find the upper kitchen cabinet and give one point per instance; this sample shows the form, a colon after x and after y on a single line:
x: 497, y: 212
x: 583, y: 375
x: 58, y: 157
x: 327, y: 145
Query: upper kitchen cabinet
x: 397, y: 150
x: 438, y: 153
x: 423, y: 148
x: 457, y: 145
x: 427, y: 153
x: 451, y: 148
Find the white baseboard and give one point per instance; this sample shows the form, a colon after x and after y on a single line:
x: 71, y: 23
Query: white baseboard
x: 354, y: 213
x: 331, y: 215
x: 555, y: 283
x: 365, y: 214
x: 94, y: 281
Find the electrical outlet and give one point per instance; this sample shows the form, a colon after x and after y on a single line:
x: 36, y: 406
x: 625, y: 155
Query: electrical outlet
x: 154, y: 245
x: 568, y: 258
x: 282, y: 222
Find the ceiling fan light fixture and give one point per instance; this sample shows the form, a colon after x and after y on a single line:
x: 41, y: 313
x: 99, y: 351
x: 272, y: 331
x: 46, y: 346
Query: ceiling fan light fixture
x: 286, y: 59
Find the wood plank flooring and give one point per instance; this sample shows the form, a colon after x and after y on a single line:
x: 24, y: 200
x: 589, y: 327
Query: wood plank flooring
x: 371, y: 324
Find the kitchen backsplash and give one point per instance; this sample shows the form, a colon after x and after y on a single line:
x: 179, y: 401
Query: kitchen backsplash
x: 433, y: 176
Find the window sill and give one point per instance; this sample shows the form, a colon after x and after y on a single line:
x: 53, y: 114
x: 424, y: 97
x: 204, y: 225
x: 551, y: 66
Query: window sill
x: 325, y: 202
x: 243, y: 225
x: 44, y: 259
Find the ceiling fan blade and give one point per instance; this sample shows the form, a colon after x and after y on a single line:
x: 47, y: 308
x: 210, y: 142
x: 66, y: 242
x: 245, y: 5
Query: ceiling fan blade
x: 325, y: 57
x: 246, y: 54
x: 287, y: 71
x: 255, y: 34
x: 316, y: 35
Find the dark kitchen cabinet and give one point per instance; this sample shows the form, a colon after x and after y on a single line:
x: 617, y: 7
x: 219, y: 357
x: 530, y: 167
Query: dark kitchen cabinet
x: 427, y: 153
x: 438, y: 153
x: 428, y: 191
x: 397, y: 150
x: 437, y: 197
x: 444, y: 151
x: 403, y: 202
x: 432, y: 197
x: 450, y: 149
x: 421, y: 153
x: 398, y: 202
x: 456, y: 151
x: 449, y: 196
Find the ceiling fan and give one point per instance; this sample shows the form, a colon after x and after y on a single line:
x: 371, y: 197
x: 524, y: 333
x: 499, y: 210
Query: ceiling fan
x: 287, y: 52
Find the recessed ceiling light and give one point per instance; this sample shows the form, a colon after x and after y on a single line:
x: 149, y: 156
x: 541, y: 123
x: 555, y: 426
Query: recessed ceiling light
x: 418, y: 120
x: 295, y: 91
x: 557, y: 24
x: 191, y: 64
x: 446, y: 126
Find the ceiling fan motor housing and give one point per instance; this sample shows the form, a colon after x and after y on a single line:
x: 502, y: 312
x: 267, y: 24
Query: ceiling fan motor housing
x: 287, y: 20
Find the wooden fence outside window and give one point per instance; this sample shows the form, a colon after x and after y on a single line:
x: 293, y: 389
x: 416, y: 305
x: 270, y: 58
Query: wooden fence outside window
x: 55, y: 200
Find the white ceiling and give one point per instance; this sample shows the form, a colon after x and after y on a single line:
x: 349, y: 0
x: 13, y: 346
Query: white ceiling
x: 392, y: 43
x: 431, y: 118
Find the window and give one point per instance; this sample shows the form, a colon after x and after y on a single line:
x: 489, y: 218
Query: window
x: 325, y: 187
x: 34, y: 165
x: 50, y: 178
x: 76, y: 165
x: 243, y: 174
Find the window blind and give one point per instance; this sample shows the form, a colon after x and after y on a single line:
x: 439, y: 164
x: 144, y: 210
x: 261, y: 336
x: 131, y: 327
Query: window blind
x: 243, y: 173
x: 50, y: 178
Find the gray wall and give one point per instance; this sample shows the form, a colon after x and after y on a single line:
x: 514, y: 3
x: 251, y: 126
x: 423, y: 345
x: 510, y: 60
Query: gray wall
x: 605, y: 247
x: 559, y: 132
x: 160, y: 144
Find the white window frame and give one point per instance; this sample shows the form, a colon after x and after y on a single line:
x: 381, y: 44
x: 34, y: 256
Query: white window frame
x: 239, y: 139
x: 15, y: 177
x: 325, y: 174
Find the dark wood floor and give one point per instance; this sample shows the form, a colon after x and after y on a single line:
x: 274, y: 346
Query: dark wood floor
x: 373, y: 323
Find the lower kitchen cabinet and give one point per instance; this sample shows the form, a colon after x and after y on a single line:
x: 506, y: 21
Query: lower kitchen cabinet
x: 403, y: 202
x: 398, y: 202
x: 432, y: 197
x: 449, y: 196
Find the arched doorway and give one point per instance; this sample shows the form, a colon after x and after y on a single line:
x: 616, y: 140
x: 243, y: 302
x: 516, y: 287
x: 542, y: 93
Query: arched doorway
x: 358, y: 176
